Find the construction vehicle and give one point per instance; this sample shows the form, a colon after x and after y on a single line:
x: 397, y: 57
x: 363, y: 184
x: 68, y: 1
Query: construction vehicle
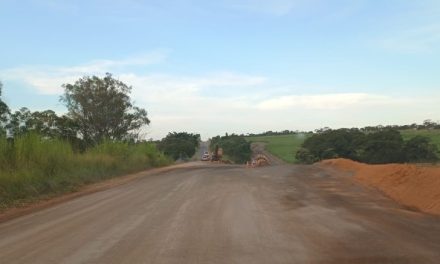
x: 217, y: 154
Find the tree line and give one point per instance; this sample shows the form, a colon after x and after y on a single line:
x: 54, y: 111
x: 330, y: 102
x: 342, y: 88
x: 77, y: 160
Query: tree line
x: 276, y: 133
x: 378, y: 147
x: 98, y: 109
x: 426, y: 124
x: 43, y: 153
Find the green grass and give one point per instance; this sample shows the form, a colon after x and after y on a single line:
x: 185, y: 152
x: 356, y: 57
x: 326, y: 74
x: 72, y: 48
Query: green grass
x: 34, y: 167
x: 282, y: 146
x: 434, y: 135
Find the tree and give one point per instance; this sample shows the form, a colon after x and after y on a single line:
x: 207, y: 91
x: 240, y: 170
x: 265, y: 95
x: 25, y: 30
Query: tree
x: 102, y: 109
x: 420, y: 149
x: 383, y: 147
x: 4, y: 109
x: 45, y: 123
x: 234, y: 147
x: 329, y: 144
x: 20, y: 121
x: 179, y: 145
x: 429, y: 124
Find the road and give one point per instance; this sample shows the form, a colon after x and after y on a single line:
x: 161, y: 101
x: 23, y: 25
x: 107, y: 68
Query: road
x: 226, y: 214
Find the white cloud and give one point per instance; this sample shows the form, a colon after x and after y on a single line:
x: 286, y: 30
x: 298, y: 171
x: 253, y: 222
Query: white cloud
x: 48, y: 79
x: 163, y: 88
x: 215, y: 103
x: 422, y: 39
x: 323, y: 101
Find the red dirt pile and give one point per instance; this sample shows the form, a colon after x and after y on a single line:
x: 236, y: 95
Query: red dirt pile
x: 416, y: 186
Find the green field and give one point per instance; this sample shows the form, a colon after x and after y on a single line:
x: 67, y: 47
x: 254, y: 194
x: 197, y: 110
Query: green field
x: 282, y: 146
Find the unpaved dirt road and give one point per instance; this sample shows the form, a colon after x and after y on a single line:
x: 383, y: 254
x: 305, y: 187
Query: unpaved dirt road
x: 226, y: 214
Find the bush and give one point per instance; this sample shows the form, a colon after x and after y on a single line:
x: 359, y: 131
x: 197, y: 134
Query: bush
x: 305, y: 156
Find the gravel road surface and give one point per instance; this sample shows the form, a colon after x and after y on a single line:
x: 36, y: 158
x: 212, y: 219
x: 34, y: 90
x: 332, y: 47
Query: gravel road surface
x: 226, y: 214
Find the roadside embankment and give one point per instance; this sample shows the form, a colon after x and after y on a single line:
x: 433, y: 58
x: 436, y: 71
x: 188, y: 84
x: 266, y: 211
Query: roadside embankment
x: 415, y: 186
x: 259, y: 148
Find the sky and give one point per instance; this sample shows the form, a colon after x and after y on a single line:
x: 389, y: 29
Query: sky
x: 236, y: 66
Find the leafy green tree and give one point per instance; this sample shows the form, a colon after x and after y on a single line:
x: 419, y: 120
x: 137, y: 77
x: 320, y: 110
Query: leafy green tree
x: 4, y: 110
x: 102, y: 109
x: 237, y: 148
x: 420, y: 149
x: 179, y: 145
x: 429, y: 124
x: 383, y: 147
x: 234, y: 147
x: 379, y: 146
x: 20, y: 121
x: 329, y: 144
x: 45, y: 123
x: 67, y: 128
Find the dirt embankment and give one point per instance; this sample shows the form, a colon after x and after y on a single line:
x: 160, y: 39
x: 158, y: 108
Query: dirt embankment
x: 259, y: 148
x: 412, y: 185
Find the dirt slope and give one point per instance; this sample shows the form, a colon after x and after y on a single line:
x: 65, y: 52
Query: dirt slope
x: 260, y: 148
x: 411, y: 185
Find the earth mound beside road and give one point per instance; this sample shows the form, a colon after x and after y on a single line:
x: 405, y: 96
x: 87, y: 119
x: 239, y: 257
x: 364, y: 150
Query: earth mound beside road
x: 259, y: 148
x: 414, y: 186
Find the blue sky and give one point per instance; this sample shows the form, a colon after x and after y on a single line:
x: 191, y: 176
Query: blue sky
x: 232, y: 65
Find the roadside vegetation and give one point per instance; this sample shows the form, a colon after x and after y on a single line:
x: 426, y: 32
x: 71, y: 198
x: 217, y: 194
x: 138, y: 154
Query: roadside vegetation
x: 235, y: 147
x: 432, y: 134
x: 35, y: 167
x: 380, y: 147
x: 179, y: 146
x: 288, y: 145
x: 43, y: 154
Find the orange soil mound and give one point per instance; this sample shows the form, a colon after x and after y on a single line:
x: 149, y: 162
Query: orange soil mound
x: 412, y: 185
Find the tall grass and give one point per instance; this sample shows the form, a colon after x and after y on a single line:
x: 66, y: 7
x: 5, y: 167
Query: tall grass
x: 33, y: 167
